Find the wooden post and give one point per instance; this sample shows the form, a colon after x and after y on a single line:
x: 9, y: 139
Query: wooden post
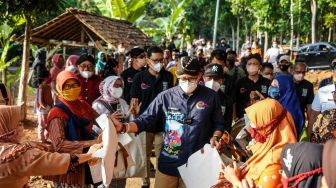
x: 22, y: 98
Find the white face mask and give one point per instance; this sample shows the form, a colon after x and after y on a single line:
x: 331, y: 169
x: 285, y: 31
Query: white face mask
x: 117, y: 92
x: 187, y: 87
x: 268, y: 76
x: 213, y: 85
x: 252, y: 70
x: 298, y: 77
x: 71, y: 68
x: 157, y: 67
x: 86, y: 74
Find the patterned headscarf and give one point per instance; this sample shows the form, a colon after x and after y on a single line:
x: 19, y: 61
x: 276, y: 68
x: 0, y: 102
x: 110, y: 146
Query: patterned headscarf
x: 106, y: 88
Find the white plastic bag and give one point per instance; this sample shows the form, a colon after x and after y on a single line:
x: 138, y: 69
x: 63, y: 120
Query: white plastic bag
x: 202, y: 168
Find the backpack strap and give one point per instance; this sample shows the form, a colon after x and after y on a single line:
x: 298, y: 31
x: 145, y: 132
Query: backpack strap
x: 4, y: 93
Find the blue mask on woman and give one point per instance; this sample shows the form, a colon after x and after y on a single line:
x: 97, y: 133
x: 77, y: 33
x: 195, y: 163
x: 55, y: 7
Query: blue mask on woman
x: 274, y: 92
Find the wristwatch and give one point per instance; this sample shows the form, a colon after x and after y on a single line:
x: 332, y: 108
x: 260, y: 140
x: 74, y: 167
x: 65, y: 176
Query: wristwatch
x: 123, y: 129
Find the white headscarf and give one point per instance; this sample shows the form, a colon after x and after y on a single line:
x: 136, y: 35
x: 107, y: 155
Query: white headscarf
x: 106, y: 88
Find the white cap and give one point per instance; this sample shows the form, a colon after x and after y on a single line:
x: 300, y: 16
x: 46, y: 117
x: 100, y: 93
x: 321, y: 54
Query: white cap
x: 284, y: 58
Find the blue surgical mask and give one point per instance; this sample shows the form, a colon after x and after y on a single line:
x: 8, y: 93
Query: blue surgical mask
x: 274, y: 92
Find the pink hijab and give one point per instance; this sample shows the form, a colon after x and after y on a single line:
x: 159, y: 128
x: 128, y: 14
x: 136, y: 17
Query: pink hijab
x: 57, y: 66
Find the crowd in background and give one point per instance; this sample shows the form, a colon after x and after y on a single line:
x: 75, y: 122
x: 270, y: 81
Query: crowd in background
x: 181, y: 99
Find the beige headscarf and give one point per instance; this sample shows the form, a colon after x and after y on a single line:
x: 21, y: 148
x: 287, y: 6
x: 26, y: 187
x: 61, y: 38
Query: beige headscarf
x: 9, y: 123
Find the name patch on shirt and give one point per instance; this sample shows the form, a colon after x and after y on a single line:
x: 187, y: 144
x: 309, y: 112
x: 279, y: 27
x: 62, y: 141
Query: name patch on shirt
x: 223, y: 110
x: 304, y: 92
x: 263, y: 89
x: 164, y: 85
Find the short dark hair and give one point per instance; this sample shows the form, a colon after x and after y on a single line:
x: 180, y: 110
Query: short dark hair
x: 218, y: 54
x: 266, y: 65
x: 154, y: 49
x: 85, y: 57
x: 231, y: 52
x: 301, y: 64
x: 254, y: 56
x: 135, y: 52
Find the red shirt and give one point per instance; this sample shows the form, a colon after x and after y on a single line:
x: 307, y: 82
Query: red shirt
x: 90, y: 88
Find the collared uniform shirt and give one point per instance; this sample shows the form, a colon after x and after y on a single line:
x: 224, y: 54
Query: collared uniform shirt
x: 188, y: 122
x: 127, y: 76
x: 146, y: 87
x: 243, y: 90
x: 305, y: 93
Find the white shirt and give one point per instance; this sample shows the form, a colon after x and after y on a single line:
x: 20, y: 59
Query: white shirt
x: 324, y: 100
x: 273, y: 54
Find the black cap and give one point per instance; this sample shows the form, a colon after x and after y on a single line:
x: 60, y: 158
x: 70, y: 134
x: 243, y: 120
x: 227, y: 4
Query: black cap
x: 85, y: 57
x: 188, y: 65
x: 135, y: 52
x: 214, y: 70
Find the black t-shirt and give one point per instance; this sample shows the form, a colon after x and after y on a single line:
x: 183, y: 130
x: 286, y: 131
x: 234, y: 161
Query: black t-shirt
x: 128, y: 75
x: 227, y: 110
x: 305, y: 93
x: 243, y: 90
x: 146, y: 87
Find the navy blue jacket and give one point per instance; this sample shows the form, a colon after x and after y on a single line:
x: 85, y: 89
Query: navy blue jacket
x: 187, y: 122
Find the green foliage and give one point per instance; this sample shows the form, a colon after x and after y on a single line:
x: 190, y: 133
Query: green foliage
x: 131, y: 10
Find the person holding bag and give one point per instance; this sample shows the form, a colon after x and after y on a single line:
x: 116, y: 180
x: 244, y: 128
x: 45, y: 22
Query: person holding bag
x: 111, y: 103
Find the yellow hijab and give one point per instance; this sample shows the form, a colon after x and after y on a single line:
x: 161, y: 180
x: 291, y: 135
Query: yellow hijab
x: 268, y: 153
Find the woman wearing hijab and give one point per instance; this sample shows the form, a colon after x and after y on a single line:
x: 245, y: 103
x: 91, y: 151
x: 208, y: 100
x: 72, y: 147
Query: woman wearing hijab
x: 69, y: 124
x: 302, y: 165
x: 329, y: 165
x: 18, y: 160
x: 58, y: 66
x: 282, y: 89
x: 101, y: 62
x: 271, y: 128
x: 110, y: 102
x: 70, y: 64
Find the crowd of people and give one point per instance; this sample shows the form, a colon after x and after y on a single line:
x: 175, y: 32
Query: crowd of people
x: 181, y: 100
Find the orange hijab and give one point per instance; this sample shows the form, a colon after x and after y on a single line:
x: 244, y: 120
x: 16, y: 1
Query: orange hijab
x: 268, y: 153
x: 79, y: 108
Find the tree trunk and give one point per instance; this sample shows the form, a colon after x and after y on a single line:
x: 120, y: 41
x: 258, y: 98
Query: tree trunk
x: 313, y: 6
x: 22, y: 98
x: 237, y: 42
x: 292, y: 26
x: 329, y: 34
x: 299, y: 27
x: 233, y: 37
x: 4, y: 76
x: 266, y: 37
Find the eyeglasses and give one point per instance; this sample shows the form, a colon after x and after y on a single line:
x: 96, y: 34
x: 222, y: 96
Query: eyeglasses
x: 156, y: 61
x: 86, y: 66
x: 300, y: 72
x: 69, y: 86
x: 189, y: 79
